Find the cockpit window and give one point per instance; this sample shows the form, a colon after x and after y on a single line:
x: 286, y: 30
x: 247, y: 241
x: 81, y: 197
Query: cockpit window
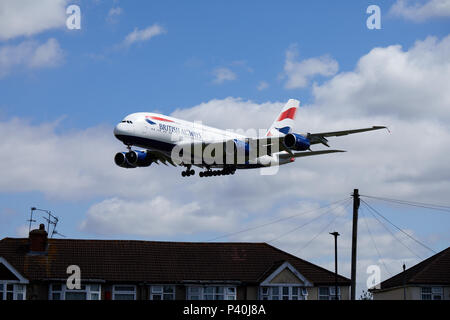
x: 126, y: 121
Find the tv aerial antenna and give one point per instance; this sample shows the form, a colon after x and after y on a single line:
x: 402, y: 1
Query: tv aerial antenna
x: 51, y: 219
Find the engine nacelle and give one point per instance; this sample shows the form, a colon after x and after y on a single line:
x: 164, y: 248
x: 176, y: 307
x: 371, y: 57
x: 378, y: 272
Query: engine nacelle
x: 121, y: 160
x: 296, y: 142
x: 133, y: 159
x: 241, y: 148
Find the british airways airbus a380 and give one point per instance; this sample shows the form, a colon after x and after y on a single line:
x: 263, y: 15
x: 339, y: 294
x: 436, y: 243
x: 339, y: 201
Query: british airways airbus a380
x: 169, y: 140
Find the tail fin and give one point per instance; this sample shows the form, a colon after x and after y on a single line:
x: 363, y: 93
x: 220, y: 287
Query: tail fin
x: 285, y: 120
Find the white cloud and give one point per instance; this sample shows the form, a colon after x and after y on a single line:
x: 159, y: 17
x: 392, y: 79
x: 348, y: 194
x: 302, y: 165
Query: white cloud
x: 223, y: 74
x: 117, y: 11
x: 145, y: 34
x: 412, y: 83
x: 113, y: 14
x: 29, y: 17
x: 154, y: 217
x: 299, y: 74
x: 263, y: 85
x: 31, y: 55
x: 252, y: 114
x: 418, y: 11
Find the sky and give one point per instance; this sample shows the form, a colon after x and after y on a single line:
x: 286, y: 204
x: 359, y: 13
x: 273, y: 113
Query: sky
x: 232, y: 65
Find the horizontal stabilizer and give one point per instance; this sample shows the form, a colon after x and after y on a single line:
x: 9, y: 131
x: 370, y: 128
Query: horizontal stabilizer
x: 308, y: 153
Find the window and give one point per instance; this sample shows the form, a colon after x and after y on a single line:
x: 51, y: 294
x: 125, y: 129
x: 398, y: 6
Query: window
x: 12, y: 291
x: 55, y: 292
x: 19, y: 292
x: 283, y: 293
x: 328, y: 293
x: 194, y: 293
x: 86, y: 292
x: 432, y: 293
x: 211, y: 293
x: 124, y: 292
x: 161, y: 292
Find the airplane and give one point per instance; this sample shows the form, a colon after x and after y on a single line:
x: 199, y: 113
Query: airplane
x: 165, y: 139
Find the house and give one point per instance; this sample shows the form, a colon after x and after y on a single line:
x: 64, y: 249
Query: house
x: 37, y: 268
x: 427, y: 280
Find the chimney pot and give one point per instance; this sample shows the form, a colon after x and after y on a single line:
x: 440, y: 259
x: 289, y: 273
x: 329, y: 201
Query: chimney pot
x: 38, y: 239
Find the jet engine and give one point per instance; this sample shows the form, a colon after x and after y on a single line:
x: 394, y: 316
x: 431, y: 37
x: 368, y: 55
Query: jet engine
x: 296, y: 142
x: 133, y: 159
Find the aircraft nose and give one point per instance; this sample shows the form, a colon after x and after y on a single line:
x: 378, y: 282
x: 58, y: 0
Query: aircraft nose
x: 119, y: 130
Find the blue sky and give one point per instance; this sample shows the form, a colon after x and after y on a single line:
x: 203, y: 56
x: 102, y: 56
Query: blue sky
x: 174, y: 70
x: 92, y: 79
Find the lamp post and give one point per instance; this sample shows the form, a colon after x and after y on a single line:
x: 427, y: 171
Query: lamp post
x: 335, y: 234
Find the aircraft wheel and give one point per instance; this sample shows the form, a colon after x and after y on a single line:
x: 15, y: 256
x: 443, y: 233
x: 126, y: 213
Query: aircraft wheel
x: 183, y: 173
x: 192, y: 172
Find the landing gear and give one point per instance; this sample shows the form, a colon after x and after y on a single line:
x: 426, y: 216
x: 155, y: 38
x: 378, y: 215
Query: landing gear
x: 188, y: 172
x: 225, y: 172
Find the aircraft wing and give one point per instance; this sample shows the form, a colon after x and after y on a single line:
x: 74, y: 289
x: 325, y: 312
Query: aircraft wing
x: 307, y: 153
x: 321, y: 137
x: 270, y: 144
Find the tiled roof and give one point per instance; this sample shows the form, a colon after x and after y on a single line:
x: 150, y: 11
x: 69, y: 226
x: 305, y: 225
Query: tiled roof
x: 434, y: 270
x: 156, y: 262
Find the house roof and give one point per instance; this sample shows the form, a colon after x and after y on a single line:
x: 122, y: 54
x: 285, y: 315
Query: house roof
x: 156, y: 262
x: 434, y: 270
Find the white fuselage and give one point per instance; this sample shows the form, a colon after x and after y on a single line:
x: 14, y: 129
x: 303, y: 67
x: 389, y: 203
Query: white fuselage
x: 162, y: 133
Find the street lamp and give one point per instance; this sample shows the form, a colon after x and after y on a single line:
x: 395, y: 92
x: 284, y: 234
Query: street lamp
x: 335, y: 234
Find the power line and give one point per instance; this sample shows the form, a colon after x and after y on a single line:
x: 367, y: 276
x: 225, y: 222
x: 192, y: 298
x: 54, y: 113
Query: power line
x: 409, y: 236
x: 430, y: 206
x: 374, y: 243
x: 393, y: 235
x: 305, y: 224
x: 275, y: 221
x: 320, y: 232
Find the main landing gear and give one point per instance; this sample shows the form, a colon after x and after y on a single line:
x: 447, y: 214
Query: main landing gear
x: 224, y: 172
x: 188, y: 172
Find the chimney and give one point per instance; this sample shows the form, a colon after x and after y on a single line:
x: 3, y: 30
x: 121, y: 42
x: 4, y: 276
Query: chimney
x: 38, y: 240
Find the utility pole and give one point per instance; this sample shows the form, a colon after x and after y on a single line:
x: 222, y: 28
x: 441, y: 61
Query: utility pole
x: 335, y: 234
x: 354, y: 237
